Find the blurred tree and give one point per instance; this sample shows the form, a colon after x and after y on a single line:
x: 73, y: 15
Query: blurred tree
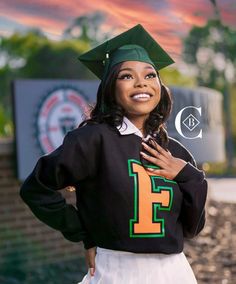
x: 173, y: 77
x: 33, y: 55
x: 56, y: 60
x: 88, y: 28
x: 211, y: 50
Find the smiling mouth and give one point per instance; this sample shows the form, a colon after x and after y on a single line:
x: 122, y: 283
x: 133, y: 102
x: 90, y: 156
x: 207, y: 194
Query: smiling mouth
x: 141, y: 96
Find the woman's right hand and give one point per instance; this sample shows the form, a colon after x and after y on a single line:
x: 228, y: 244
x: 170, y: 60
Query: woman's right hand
x: 90, y: 259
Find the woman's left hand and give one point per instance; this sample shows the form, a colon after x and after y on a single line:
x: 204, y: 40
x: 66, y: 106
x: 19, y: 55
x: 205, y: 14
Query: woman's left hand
x: 169, y: 165
x: 90, y: 259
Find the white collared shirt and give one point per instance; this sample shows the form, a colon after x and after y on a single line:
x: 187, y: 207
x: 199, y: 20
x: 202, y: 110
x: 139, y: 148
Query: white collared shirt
x: 127, y: 127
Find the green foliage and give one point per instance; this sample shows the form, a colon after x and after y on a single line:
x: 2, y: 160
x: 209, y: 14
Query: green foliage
x: 87, y: 28
x: 211, y: 49
x: 6, y: 125
x: 19, y: 45
x: 56, y: 60
x: 219, y: 169
x: 32, y: 55
x: 174, y: 77
x: 43, y: 58
x: 233, y: 110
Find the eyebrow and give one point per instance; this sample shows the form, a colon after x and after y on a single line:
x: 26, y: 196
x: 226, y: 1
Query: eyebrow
x: 131, y: 69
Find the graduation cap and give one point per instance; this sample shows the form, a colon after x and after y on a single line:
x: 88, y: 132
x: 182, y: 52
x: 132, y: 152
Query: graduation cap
x: 136, y: 44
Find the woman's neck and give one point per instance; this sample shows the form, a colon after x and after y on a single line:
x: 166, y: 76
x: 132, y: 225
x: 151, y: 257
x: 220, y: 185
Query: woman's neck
x: 139, y: 122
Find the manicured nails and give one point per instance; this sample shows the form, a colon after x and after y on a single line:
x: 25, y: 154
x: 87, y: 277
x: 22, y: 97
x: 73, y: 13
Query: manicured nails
x: 144, y: 145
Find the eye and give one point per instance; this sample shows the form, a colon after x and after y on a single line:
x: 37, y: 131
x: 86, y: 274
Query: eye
x: 125, y: 77
x: 151, y: 75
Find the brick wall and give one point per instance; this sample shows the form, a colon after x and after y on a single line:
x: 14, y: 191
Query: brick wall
x: 24, y: 240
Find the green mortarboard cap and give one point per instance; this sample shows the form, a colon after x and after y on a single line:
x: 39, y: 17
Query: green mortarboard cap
x: 136, y: 44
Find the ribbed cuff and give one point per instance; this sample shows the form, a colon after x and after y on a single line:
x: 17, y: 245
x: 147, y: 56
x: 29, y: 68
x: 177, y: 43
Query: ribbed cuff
x: 74, y: 237
x: 88, y: 243
x: 189, y: 172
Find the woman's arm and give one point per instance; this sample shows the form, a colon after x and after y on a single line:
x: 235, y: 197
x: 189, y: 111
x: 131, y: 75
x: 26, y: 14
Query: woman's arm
x: 193, y: 184
x: 191, y: 181
x: 63, y: 167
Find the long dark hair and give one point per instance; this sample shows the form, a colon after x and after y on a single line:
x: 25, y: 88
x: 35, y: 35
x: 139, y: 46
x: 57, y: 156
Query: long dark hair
x: 107, y: 110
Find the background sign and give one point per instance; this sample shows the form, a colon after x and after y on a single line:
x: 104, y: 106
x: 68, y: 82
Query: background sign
x: 45, y: 110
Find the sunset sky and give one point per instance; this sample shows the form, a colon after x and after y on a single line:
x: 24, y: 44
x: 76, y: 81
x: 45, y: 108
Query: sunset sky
x: 167, y: 20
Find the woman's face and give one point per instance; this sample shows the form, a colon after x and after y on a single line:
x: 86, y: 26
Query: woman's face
x: 138, y: 89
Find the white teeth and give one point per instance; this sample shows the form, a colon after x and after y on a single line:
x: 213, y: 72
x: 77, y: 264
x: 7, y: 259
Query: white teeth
x: 138, y: 96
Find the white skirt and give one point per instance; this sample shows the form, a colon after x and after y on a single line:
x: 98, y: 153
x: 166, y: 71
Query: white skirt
x: 119, y: 267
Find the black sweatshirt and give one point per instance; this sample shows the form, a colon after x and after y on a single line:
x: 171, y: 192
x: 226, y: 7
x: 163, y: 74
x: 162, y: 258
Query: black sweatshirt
x: 119, y: 205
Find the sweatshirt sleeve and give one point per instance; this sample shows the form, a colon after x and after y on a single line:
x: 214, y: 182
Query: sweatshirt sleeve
x: 193, y: 184
x: 65, y: 166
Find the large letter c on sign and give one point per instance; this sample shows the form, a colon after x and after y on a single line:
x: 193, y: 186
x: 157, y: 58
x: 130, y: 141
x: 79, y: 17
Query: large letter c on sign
x: 191, y: 120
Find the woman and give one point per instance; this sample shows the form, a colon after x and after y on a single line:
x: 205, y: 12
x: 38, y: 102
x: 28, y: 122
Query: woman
x: 138, y: 191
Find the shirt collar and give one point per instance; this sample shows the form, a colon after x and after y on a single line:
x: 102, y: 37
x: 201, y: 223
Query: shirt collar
x: 127, y: 127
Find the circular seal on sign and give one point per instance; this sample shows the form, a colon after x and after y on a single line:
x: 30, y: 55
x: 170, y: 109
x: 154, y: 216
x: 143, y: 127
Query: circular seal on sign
x: 61, y: 111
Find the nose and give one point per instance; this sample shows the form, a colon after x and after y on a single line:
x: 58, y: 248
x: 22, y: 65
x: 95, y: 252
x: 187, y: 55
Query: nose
x: 140, y: 82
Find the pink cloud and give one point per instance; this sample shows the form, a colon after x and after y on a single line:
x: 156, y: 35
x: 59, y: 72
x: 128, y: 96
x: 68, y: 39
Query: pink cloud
x: 168, y: 21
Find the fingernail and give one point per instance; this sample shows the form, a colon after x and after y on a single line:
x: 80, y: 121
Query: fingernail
x: 142, y: 153
x: 92, y: 271
x: 150, y: 169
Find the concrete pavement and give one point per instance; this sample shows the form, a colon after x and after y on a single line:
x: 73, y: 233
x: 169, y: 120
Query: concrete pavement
x: 222, y: 189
